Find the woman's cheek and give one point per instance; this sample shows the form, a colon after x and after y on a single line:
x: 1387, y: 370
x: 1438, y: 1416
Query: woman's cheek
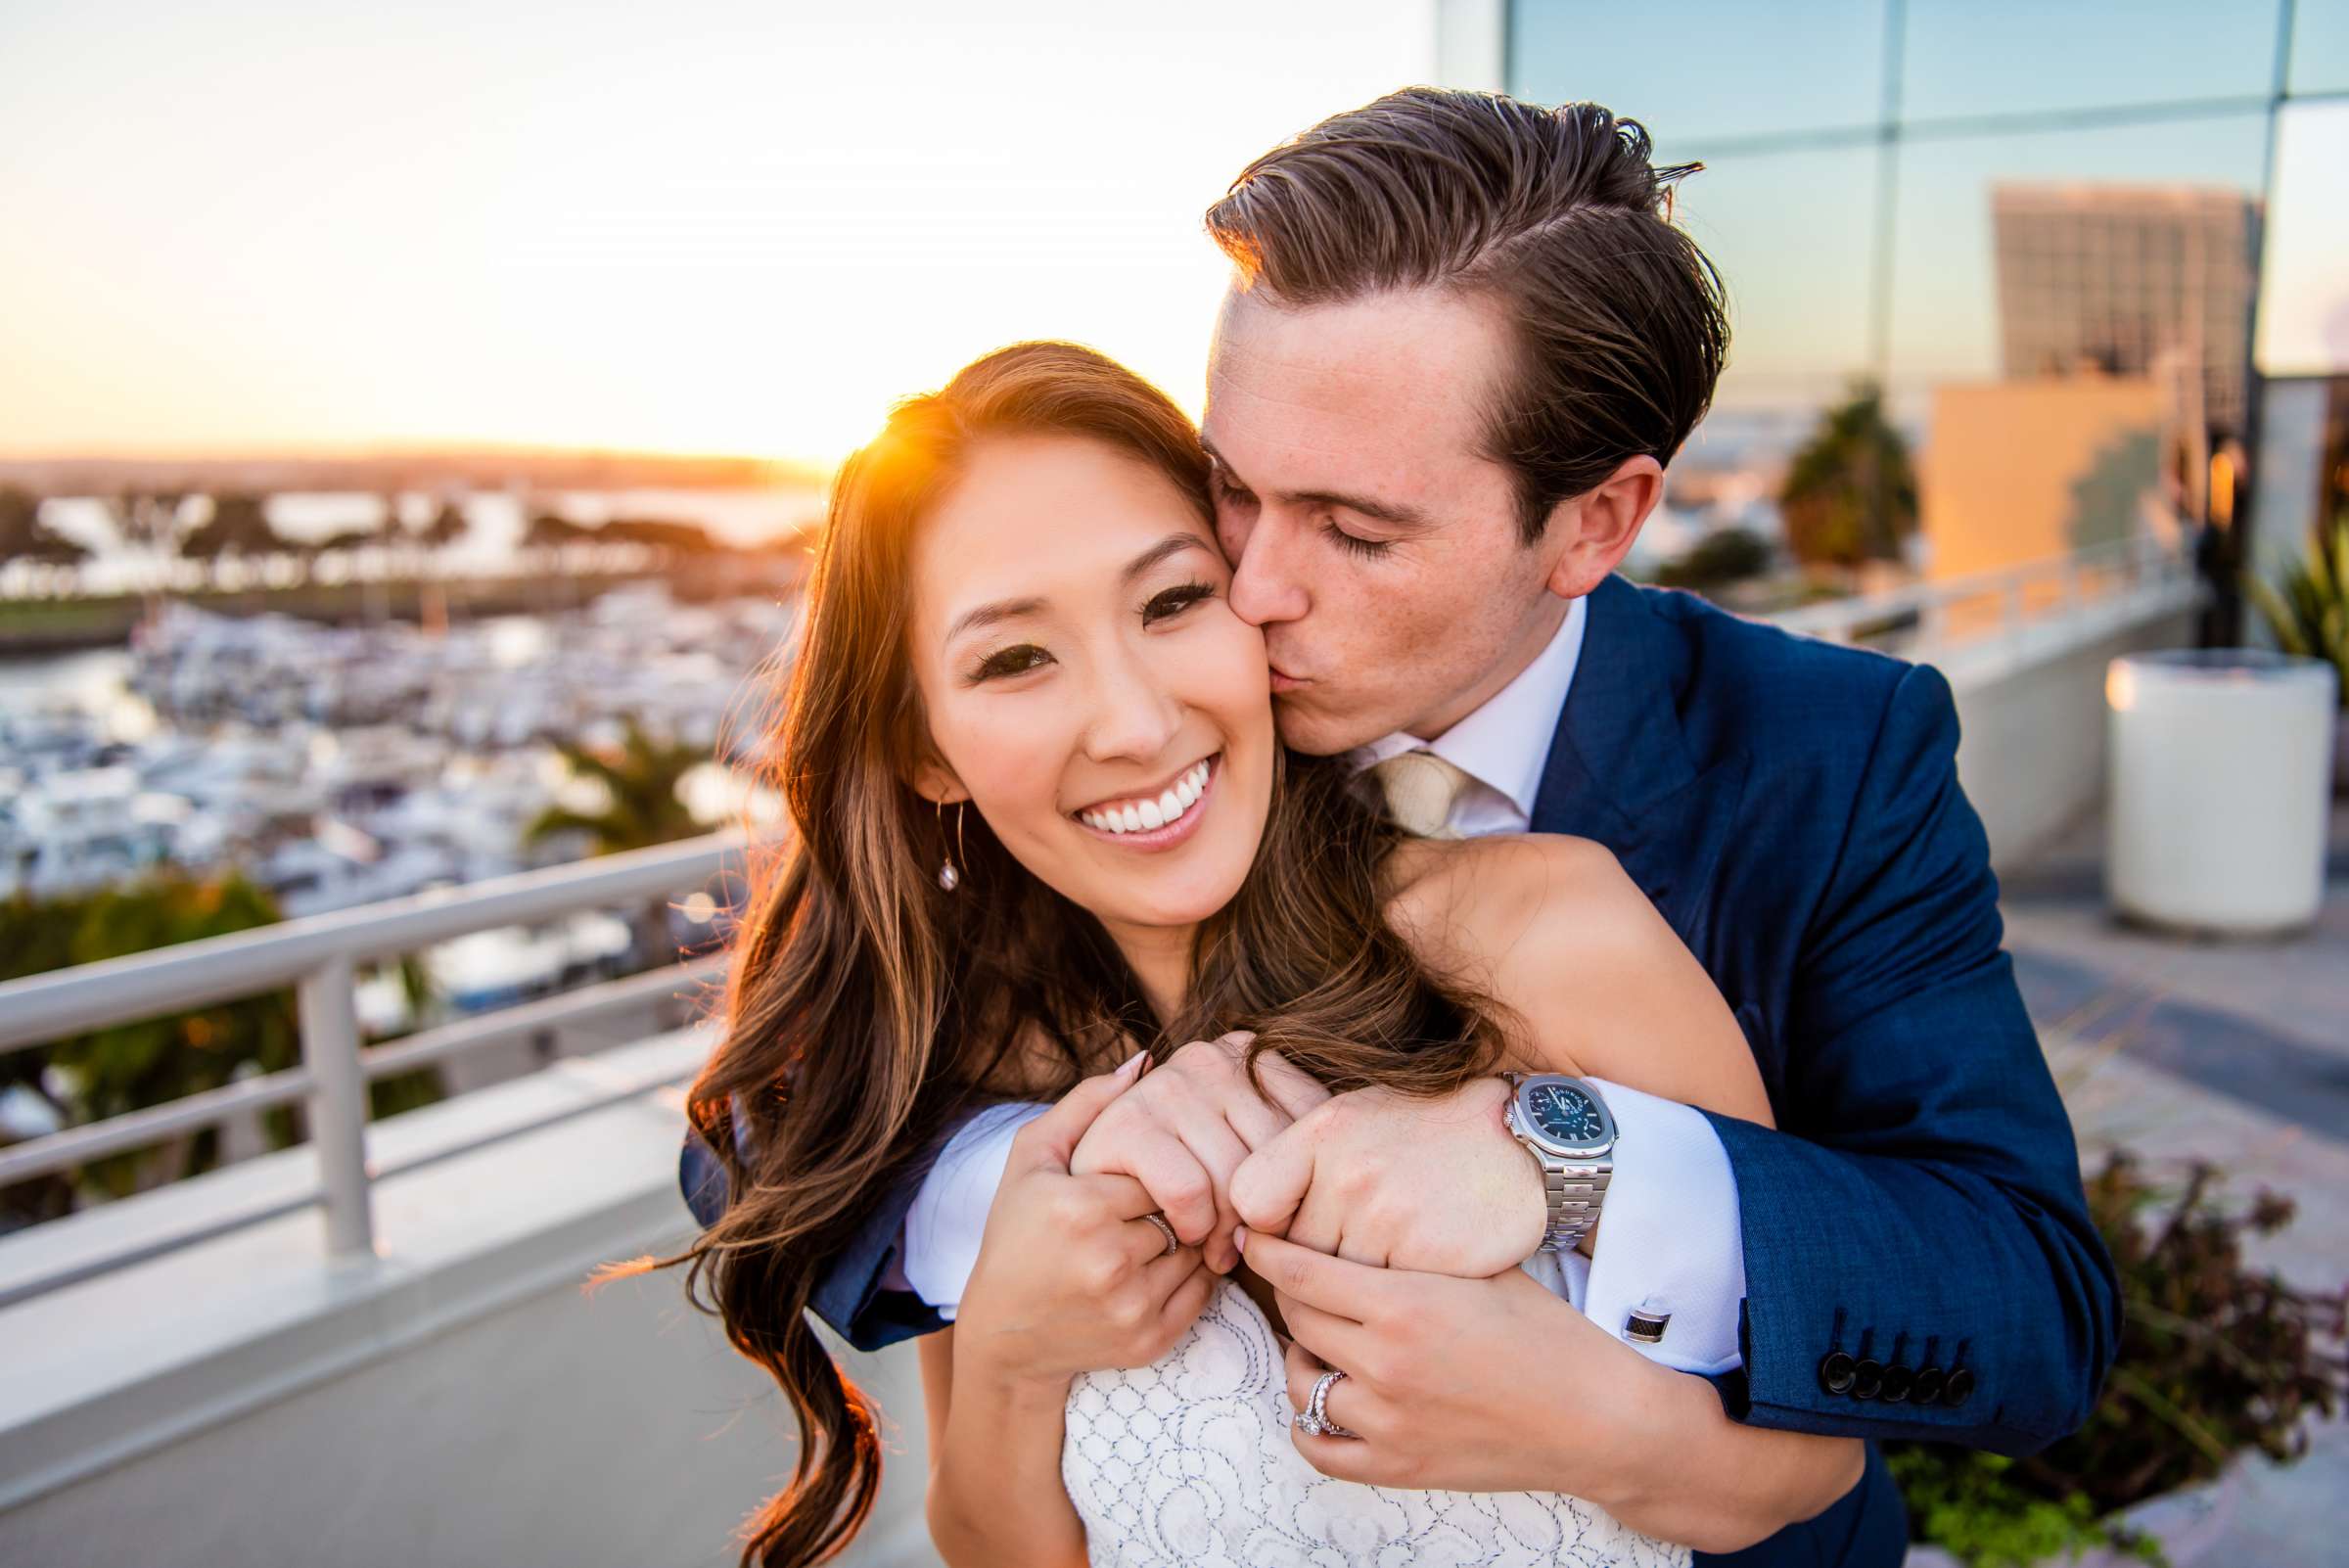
x: 1003, y: 763
x: 1243, y: 673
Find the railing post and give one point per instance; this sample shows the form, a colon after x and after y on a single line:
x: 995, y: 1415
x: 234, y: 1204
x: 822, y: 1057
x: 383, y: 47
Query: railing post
x: 330, y: 1049
x: 1932, y: 625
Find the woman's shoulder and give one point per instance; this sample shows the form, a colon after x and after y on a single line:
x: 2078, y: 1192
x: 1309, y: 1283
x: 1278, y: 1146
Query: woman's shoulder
x: 1498, y: 873
x: 1477, y: 900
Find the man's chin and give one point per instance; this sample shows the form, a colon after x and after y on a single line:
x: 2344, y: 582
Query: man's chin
x: 1308, y: 727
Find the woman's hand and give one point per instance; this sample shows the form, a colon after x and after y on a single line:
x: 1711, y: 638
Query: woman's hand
x: 1188, y: 1124
x: 1070, y: 1278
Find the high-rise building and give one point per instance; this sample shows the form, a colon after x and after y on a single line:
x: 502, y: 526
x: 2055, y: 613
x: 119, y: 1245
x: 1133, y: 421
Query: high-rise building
x: 2147, y: 281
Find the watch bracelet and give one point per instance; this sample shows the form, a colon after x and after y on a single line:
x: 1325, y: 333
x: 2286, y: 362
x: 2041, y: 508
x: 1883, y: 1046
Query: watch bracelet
x: 1572, y: 1196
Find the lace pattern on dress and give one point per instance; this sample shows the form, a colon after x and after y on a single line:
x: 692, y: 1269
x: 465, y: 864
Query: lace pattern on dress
x: 1188, y: 1462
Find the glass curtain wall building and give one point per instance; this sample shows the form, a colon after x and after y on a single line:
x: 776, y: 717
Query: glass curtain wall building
x: 2012, y: 252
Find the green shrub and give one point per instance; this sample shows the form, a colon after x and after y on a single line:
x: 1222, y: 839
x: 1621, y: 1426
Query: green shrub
x: 2309, y: 613
x: 2216, y: 1361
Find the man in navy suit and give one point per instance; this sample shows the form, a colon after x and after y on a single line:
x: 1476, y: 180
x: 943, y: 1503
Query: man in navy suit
x: 1463, y: 341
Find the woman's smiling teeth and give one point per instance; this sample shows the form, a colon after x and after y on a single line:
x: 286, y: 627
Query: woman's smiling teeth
x: 1143, y: 815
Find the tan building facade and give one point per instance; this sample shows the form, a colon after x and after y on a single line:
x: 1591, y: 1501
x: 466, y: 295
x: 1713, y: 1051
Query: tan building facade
x: 2024, y: 471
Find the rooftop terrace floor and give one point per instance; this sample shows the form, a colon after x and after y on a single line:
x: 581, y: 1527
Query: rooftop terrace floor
x: 2234, y: 1052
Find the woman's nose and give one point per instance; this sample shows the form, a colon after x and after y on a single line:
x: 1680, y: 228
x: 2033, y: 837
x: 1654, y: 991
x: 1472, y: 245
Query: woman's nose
x: 1136, y: 715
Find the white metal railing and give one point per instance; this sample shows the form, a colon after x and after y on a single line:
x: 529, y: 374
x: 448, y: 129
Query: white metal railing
x: 1928, y: 619
x: 318, y: 956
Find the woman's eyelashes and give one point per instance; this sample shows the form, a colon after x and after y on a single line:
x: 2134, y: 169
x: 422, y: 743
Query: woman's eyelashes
x: 1024, y: 658
x: 1175, y: 601
x: 1017, y: 659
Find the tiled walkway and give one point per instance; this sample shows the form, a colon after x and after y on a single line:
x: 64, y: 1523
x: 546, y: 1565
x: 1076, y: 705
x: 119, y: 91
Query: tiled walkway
x: 2232, y: 1052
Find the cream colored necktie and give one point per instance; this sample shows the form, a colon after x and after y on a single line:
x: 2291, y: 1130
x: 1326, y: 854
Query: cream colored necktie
x: 1421, y: 788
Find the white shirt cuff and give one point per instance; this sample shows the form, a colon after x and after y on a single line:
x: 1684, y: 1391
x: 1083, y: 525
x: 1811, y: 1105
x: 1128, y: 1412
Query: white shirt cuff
x: 948, y: 1215
x: 1668, y: 1243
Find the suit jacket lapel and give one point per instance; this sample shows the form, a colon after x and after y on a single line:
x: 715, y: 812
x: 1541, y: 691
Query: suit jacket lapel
x: 1620, y: 770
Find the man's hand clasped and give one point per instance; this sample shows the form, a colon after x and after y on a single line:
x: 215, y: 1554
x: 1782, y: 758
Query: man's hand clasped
x: 1373, y: 1177
x: 1390, y: 1227
x: 1433, y: 1386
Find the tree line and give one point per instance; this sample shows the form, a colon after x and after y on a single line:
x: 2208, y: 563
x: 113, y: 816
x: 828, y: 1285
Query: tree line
x: 235, y: 523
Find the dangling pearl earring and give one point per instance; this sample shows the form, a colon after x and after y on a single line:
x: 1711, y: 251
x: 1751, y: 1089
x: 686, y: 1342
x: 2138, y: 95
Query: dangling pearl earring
x: 947, y: 877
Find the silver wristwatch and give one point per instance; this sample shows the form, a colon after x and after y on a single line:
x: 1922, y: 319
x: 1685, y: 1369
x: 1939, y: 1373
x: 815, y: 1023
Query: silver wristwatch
x: 1566, y: 1127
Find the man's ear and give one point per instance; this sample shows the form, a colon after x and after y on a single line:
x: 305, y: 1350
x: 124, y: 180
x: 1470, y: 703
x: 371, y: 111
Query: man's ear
x: 1599, y: 527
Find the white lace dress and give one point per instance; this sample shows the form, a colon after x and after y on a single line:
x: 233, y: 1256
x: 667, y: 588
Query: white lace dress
x: 1188, y: 1462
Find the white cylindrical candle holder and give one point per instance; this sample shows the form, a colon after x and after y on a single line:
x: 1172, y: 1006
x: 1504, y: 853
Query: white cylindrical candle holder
x: 2220, y: 785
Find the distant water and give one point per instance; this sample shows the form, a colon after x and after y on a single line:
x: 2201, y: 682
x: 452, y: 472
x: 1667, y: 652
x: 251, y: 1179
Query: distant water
x: 495, y: 519
x: 91, y: 678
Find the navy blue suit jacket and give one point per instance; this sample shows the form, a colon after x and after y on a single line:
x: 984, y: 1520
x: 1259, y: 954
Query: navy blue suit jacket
x: 1920, y: 1260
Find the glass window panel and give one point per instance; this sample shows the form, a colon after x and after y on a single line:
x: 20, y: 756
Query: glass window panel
x: 1695, y: 70
x: 1789, y: 232
x: 2304, y: 295
x: 2319, y: 47
x: 1994, y: 57
x: 1945, y: 303
x: 2070, y: 318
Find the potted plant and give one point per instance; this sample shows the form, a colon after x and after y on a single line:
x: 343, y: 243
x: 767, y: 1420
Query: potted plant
x: 2217, y: 1360
x: 2310, y: 617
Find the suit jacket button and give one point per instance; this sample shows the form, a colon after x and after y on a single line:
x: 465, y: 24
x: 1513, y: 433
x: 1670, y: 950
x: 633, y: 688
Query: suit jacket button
x: 1896, y: 1382
x: 1959, y: 1389
x: 1835, y: 1374
x: 1927, y: 1386
x: 1867, y: 1380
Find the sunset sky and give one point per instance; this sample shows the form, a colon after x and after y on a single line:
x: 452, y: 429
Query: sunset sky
x: 259, y: 225
x: 699, y: 227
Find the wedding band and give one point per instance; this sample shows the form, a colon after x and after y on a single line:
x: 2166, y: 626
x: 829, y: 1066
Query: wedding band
x: 1166, y: 1230
x: 1314, y: 1421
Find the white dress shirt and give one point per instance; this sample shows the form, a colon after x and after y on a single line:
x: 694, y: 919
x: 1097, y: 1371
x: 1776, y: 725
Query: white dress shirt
x: 1669, y: 1242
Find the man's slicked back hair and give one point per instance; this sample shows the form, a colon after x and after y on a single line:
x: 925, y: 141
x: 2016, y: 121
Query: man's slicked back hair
x: 1556, y: 216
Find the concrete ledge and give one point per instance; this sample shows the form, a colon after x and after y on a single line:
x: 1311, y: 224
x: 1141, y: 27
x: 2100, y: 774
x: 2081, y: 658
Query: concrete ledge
x: 456, y: 1399
x: 2031, y: 714
x: 133, y: 1359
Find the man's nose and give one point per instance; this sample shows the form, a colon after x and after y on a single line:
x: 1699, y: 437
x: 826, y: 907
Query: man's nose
x: 1265, y: 584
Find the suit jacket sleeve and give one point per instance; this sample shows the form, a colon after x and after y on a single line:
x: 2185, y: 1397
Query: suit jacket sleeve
x: 1921, y: 1208
x: 851, y: 1298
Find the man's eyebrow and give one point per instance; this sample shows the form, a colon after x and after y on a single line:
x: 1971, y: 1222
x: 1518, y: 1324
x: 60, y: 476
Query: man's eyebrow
x: 1393, y: 512
x: 989, y: 615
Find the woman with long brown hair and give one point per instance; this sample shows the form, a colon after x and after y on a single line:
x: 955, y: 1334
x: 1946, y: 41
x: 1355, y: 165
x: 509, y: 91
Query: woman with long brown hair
x: 1041, y: 831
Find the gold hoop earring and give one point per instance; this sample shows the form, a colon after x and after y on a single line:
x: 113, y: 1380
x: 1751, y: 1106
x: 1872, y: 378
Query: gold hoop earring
x: 948, y: 877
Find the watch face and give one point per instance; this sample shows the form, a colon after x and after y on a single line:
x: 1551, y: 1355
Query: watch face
x: 1565, y: 1114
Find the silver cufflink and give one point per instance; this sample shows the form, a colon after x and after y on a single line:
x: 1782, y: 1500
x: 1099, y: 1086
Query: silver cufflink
x: 1645, y: 1328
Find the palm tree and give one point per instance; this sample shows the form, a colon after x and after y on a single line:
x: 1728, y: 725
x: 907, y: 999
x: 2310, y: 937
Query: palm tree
x: 640, y: 807
x: 1849, y: 494
x: 447, y: 527
x: 23, y: 536
x: 238, y: 523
